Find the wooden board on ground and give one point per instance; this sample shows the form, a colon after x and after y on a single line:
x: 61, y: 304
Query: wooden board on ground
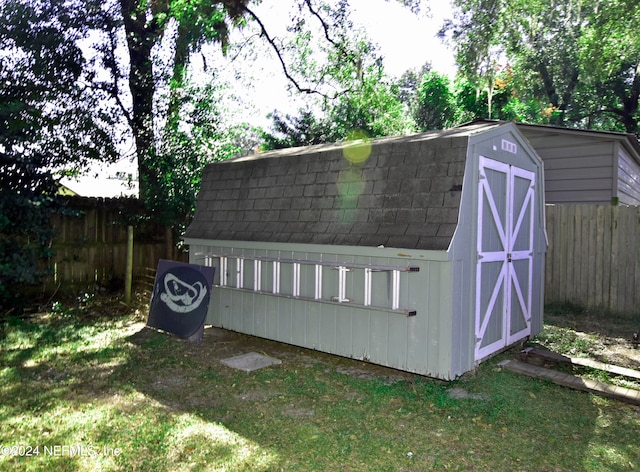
x: 579, y: 361
x: 626, y: 395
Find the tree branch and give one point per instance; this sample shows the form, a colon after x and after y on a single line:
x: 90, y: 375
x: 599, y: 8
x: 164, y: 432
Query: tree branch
x: 110, y: 62
x: 276, y: 49
x: 324, y: 25
x: 285, y: 69
x: 356, y: 61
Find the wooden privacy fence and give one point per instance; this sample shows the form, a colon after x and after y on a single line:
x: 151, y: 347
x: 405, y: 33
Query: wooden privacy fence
x: 90, y: 243
x: 593, y: 258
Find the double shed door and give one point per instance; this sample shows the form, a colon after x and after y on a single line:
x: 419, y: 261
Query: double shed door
x: 505, y: 256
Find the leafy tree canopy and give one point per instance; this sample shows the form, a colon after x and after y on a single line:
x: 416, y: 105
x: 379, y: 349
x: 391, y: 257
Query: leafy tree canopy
x: 146, y: 48
x: 435, y: 107
x: 576, y: 61
x: 82, y: 80
x: 50, y: 124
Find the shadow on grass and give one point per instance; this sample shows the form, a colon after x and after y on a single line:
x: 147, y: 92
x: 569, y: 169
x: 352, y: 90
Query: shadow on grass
x: 313, y: 417
x: 168, y: 404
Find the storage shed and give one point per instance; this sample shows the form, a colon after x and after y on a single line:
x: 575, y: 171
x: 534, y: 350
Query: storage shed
x: 423, y: 253
x: 586, y: 166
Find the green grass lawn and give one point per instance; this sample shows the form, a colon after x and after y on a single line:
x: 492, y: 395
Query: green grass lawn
x: 95, y: 390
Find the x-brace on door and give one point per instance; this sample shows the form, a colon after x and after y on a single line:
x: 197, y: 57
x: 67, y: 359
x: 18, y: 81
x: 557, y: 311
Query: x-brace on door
x: 505, y: 256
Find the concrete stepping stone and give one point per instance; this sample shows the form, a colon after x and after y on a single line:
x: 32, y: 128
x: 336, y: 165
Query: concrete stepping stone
x: 250, y: 361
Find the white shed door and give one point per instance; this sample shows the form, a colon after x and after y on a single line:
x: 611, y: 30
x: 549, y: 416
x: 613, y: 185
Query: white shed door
x: 505, y: 256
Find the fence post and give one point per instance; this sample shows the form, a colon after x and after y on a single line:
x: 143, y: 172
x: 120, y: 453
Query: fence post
x: 168, y: 241
x: 128, y: 276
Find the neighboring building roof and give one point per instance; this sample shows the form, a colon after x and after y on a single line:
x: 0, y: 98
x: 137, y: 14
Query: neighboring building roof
x: 627, y: 139
x: 587, y: 166
x: 405, y: 194
x: 102, y: 187
x: 65, y: 191
x: 584, y: 166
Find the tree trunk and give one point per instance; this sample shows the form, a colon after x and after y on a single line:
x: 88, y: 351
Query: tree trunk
x: 180, y: 61
x: 630, y: 107
x: 628, y: 99
x: 141, y: 35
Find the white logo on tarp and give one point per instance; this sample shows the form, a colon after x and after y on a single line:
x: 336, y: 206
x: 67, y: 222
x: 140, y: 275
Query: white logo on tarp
x: 180, y: 296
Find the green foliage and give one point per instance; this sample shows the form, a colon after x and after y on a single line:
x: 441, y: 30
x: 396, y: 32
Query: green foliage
x: 24, y: 234
x: 49, y: 124
x: 408, y: 84
x: 348, y: 74
x: 184, y: 26
x: 321, y: 55
x: 199, y: 136
x: 373, y: 107
x: 69, y: 95
x: 573, y: 63
x: 291, y: 131
x: 325, y: 54
x: 435, y: 107
x: 609, y: 52
x: 468, y: 100
x: 537, y: 37
x: 203, y: 20
x: 530, y: 111
x: 507, y: 103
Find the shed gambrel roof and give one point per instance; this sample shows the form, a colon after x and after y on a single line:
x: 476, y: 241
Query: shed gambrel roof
x: 406, y: 194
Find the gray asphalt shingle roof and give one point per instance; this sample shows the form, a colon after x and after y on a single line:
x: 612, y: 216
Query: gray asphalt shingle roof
x: 406, y: 194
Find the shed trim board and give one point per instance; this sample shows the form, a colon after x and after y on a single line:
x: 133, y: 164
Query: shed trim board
x: 396, y: 285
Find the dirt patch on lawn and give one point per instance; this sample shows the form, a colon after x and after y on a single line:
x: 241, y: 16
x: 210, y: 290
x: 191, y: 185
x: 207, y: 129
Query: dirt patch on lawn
x: 618, y: 351
x: 601, y: 337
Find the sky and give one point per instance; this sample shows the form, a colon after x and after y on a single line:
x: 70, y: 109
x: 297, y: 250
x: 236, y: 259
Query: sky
x: 406, y: 41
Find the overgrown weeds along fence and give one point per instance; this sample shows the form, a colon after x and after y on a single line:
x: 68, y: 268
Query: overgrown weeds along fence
x: 593, y: 258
